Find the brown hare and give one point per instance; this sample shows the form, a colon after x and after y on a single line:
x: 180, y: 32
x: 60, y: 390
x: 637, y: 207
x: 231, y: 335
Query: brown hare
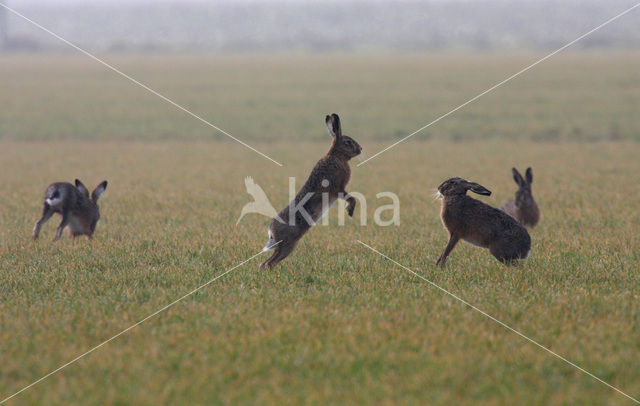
x: 326, y: 183
x: 480, y: 224
x: 523, y: 208
x: 79, y: 211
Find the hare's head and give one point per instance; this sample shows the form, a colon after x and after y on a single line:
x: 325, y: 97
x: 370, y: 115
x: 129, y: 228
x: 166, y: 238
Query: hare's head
x: 524, y: 197
x: 342, y: 144
x: 95, y: 195
x: 459, y: 186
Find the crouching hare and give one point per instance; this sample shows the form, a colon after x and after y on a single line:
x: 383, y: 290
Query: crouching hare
x: 523, y: 208
x: 79, y: 211
x: 480, y: 224
x: 326, y: 183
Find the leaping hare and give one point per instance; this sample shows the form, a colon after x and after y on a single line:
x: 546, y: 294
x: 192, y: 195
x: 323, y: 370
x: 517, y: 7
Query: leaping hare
x: 79, y: 211
x: 480, y: 224
x: 523, y: 208
x: 329, y: 178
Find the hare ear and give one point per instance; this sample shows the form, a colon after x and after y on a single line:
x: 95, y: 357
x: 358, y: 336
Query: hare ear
x: 333, y: 125
x: 82, y: 188
x: 529, y: 175
x: 478, y: 188
x: 517, y: 177
x: 98, y: 191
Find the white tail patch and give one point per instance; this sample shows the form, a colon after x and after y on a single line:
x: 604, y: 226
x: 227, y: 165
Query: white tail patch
x: 528, y: 253
x: 55, y: 202
x: 270, y: 243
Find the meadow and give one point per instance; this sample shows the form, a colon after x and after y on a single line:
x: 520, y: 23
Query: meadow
x: 335, y: 323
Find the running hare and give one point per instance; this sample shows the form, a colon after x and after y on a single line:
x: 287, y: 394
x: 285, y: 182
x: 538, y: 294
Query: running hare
x: 328, y: 178
x: 79, y: 211
x: 523, y: 208
x: 480, y: 224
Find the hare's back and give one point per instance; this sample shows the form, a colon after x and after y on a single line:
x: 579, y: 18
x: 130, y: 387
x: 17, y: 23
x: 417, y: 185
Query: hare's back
x: 331, y: 169
x: 491, y: 220
x: 61, y: 196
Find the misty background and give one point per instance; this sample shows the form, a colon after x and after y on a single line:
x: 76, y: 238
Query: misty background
x: 288, y: 25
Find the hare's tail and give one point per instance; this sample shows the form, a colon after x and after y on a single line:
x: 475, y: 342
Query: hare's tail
x: 270, y: 243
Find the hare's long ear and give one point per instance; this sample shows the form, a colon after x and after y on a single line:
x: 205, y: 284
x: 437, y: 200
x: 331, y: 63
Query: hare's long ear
x: 82, y: 188
x: 333, y: 125
x: 98, y: 191
x: 529, y: 175
x: 479, y: 189
x: 517, y: 177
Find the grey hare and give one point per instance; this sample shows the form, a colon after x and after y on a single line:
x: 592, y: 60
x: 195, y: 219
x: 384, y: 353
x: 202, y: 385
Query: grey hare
x: 79, y: 211
x: 523, y: 208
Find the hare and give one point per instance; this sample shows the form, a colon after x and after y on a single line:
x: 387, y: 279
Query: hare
x: 480, y: 224
x: 79, y: 211
x: 523, y: 208
x: 325, y: 185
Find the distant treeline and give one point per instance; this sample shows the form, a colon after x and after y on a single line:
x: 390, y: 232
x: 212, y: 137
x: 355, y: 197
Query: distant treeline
x: 322, y: 26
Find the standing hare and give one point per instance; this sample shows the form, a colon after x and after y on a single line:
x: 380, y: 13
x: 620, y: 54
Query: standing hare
x: 79, y: 211
x: 480, y: 224
x: 326, y: 183
x: 523, y: 208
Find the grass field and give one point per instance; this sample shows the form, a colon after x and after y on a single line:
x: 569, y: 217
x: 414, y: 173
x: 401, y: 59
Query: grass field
x: 335, y: 323
x: 575, y: 97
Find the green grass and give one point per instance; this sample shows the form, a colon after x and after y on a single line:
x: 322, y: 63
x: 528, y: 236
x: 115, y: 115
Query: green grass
x: 575, y: 96
x: 335, y: 323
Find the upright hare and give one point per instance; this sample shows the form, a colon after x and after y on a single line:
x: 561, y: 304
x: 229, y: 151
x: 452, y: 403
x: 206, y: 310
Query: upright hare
x: 329, y: 178
x: 523, y: 208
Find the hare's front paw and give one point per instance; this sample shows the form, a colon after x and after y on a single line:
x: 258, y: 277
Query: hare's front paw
x: 350, y: 210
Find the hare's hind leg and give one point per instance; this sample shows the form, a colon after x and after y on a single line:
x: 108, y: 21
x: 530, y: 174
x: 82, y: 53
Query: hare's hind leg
x: 47, y: 212
x: 281, y: 251
x: 65, y: 221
